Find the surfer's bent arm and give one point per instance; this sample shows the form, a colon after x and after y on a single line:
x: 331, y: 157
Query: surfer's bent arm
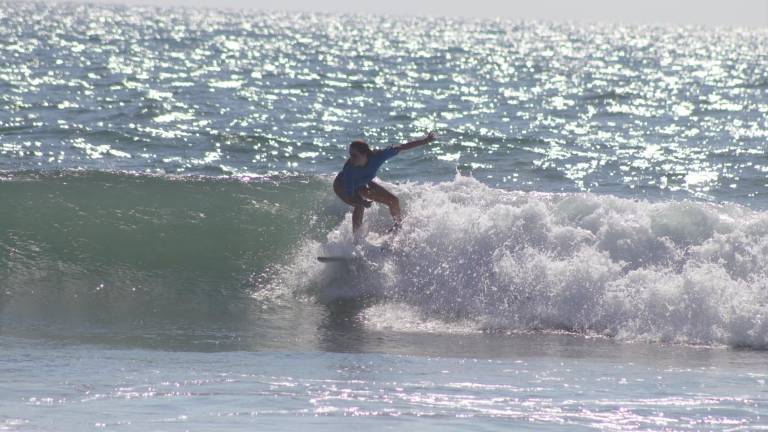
x: 409, y: 145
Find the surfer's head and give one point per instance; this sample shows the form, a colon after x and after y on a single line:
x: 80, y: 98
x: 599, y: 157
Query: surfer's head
x: 359, y: 151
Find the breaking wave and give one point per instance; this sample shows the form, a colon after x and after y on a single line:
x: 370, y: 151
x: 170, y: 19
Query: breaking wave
x: 125, y: 247
x: 674, y: 272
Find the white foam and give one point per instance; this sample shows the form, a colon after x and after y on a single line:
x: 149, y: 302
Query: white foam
x: 681, y: 272
x: 405, y: 318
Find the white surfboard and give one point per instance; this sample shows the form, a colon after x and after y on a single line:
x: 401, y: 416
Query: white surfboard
x: 339, y: 259
x: 374, y: 245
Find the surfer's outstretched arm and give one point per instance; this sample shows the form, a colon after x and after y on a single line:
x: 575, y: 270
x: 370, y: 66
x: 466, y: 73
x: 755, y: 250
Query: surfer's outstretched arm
x: 409, y: 145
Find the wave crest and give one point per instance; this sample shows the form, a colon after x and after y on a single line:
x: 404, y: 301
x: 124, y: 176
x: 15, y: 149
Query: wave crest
x: 681, y: 272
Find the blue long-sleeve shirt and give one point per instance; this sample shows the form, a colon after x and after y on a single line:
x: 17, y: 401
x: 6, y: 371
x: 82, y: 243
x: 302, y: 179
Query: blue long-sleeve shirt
x: 354, y: 177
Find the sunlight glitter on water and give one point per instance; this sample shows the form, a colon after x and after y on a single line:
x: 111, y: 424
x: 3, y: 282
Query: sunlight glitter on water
x: 562, y: 106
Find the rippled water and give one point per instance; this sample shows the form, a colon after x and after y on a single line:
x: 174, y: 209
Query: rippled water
x: 540, y: 106
x: 536, y: 383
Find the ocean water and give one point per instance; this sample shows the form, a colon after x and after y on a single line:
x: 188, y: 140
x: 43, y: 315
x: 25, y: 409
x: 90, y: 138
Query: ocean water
x: 585, y: 246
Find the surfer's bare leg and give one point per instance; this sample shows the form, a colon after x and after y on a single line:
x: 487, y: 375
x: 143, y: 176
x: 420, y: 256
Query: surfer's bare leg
x: 375, y: 192
x: 357, y: 202
x: 357, y: 218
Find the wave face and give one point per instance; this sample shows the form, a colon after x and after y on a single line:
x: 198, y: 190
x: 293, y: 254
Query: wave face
x: 678, y: 272
x: 106, y: 247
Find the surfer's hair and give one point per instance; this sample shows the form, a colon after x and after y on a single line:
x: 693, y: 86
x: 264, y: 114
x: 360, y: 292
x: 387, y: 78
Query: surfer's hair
x: 361, y: 147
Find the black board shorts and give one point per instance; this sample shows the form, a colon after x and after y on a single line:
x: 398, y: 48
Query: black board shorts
x: 355, y: 200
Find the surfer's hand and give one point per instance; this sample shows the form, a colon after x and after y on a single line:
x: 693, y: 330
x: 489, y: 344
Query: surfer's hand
x: 419, y: 142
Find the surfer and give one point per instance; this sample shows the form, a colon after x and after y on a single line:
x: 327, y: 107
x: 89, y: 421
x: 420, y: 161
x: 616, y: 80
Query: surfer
x: 355, y: 185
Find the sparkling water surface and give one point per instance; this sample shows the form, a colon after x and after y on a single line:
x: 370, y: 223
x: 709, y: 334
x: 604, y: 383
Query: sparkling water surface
x: 532, y: 383
x: 629, y: 110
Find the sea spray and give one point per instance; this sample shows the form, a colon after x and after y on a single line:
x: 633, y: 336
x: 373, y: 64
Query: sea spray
x: 680, y: 272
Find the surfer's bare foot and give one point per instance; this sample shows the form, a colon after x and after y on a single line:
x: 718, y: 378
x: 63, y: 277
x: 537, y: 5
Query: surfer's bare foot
x: 394, y: 228
x: 357, y: 237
